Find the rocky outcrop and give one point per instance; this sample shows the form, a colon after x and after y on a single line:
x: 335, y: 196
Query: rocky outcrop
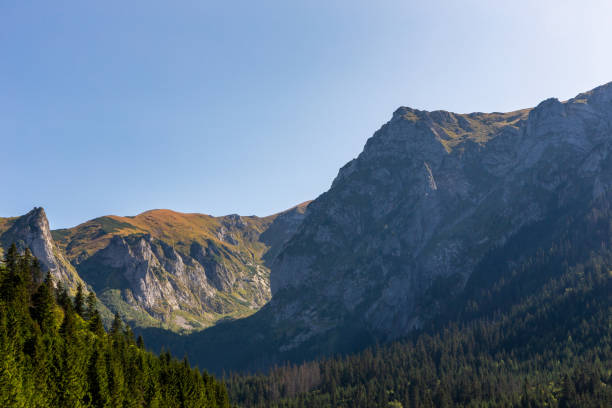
x: 148, y: 275
x: 32, y: 231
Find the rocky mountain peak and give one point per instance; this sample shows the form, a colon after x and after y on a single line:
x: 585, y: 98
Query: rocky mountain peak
x: 601, y: 94
x: 429, y: 196
x: 550, y: 107
x: 32, y: 231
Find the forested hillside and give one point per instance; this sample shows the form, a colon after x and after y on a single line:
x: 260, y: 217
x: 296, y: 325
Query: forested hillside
x: 532, y: 328
x: 55, y: 352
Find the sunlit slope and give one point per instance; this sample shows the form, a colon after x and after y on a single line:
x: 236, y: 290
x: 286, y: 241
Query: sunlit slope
x: 175, y: 228
x: 174, y: 270
x: 32, y: 231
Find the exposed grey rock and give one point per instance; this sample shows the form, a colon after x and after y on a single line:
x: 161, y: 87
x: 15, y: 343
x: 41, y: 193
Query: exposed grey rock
x: 32, y: 231
x: 430, y: 194
x: 214, y: 274
x: 154, y: 277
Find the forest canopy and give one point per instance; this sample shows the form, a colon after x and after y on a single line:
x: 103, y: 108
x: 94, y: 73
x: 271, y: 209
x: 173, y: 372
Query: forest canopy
x: 55, y: 352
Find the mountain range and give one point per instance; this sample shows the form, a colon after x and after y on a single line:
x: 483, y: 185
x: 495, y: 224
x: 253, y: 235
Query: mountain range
x: 181, y: 272
x: 433, y: 210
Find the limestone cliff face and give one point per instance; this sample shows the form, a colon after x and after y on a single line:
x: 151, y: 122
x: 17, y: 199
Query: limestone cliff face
x: 162, y: 268
x: 32, y: 231
x: 178, y: 271
x: 430, y: 194
x: 150, y: 282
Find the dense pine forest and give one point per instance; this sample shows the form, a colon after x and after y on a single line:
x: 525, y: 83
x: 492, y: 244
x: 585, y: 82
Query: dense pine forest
x: 532, y: 328
x: 55, y: 352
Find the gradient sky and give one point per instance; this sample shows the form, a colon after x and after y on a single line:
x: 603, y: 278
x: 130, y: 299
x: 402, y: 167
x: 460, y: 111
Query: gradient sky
x: 250, y: 107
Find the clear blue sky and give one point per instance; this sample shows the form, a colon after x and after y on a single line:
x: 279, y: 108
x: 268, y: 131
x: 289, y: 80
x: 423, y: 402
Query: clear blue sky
x: 250, y: 107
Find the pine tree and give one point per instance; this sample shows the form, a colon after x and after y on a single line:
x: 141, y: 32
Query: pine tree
x: 43, y: 304
x: 72, y: 381
x: 11, y: 258
x: 140, y: 342
x: 44, y: 388
x: 62, y: 296
x: 25, y: 269
x: 11, y: 393
x: 68, y: 327
x: 92, y: 305
x: 568, y: 393
x: 116, y: 326
x: 13, y: 287
x: 95, y: 324
x: 79, y: 301
x: 37, y: 275
x: 97, y: 394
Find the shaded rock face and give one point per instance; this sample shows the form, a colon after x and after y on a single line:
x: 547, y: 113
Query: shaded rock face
x: 284, y: 227
x: 32, y: 231
x: 429, y: 196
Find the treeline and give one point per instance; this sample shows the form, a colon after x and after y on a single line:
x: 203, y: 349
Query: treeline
x: 483, y: 363
x: 55, y: 352
x: 532, y: 328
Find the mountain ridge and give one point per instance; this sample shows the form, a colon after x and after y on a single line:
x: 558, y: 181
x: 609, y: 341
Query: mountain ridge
x: 429, y: 197
x: 397, y: 236
x: 162, y: 268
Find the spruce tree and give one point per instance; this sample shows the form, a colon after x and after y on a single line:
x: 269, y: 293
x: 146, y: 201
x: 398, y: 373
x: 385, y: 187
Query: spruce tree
x: 140, y: 342
x: 92, y: 305
x: 79, y: 301
x: 62, y: 296
x: 72, y: 381
x: 11, y: 392
x: 11, y: 258
x: 95, y: 324
x: 97, y: 394
x: 43, y: 304
x: 116, y: 326
x: 13, y: 286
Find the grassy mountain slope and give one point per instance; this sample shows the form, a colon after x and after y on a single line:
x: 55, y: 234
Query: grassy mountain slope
x: 180, y: 229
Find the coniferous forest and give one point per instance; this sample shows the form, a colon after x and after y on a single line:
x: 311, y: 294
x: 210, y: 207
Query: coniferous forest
x: 527, y: 331
x: 55, y: 352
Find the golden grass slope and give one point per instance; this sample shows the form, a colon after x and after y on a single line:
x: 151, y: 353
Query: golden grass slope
x: 175, y: 228
x: 451, y: 129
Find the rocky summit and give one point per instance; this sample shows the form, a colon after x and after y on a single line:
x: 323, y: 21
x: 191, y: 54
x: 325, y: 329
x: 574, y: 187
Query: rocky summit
x: 411, y: 218
x: 32, y: 231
